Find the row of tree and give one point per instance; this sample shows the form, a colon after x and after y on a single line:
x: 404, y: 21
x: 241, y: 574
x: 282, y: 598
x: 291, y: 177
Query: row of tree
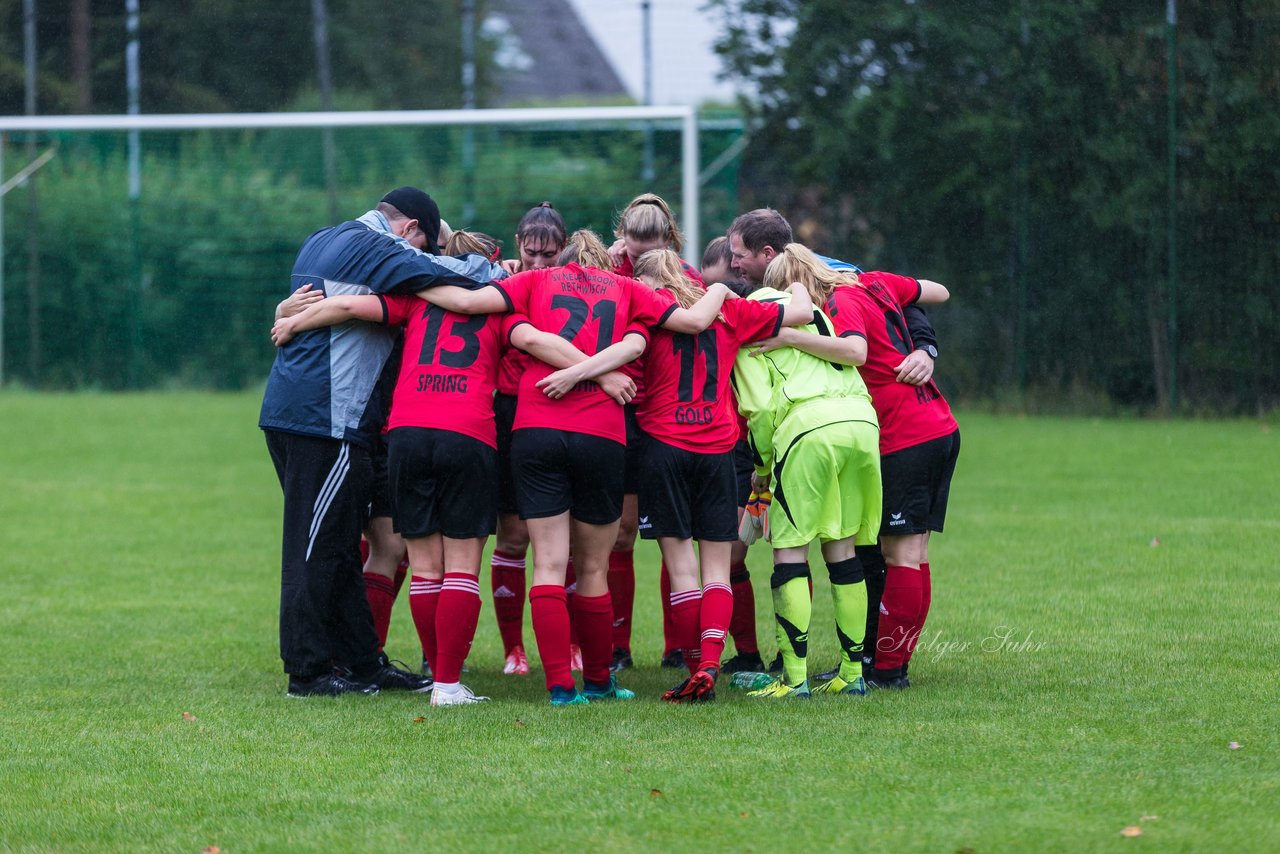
x: 1020, y: 151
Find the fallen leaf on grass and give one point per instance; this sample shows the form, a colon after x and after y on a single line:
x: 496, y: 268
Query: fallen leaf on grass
x: 965, y: 850
x: 519, y: 723
x: 187, y: 716
x: 1131, y: 830
x: 1235, y: 745
x: 419, y: 719
x: 628, y: 770
x: 744, y: 815
x: 1150, y: 818
x: 1155, y: 541
x: 655, y: 793
x: 212, y: 849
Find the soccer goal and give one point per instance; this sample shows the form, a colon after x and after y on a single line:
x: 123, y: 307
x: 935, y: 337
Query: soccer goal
x: 161, y: 243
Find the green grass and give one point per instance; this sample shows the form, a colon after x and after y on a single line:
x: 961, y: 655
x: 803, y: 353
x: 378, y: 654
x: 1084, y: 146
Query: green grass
x: 139, y: 580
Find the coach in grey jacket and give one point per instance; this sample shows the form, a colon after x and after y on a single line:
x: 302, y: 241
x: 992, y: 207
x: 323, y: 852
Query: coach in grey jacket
x: 320, y: 411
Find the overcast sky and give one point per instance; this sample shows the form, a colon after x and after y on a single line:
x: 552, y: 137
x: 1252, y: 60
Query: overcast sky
x: 684, y: 65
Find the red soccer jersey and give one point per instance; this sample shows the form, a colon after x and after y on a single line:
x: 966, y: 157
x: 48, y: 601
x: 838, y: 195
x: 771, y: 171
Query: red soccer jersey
x: 591, y: 309
x: 636, y: 369
x: 509, y: 370
x: 449, y: 369
x: 908, y: 414
x: 689, y: 403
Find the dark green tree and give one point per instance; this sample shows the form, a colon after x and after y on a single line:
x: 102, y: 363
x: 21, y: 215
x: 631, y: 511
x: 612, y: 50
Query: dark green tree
x: 1018, y: 151
x: 243, y: 55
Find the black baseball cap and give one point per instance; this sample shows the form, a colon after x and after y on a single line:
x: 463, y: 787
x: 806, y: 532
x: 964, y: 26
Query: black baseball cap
x: 416, y: 204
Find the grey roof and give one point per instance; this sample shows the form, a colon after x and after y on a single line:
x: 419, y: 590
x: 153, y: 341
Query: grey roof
x: 546, y: 53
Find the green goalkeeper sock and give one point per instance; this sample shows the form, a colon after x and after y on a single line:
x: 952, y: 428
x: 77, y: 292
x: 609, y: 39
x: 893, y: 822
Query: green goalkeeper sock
x: 792, y: 610
x: 849, y: 595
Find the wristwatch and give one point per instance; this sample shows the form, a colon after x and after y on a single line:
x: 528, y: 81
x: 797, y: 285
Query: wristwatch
x: 930, y: 349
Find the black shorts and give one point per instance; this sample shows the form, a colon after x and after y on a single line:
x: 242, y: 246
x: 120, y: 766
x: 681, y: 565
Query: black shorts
x: 441, y: 483
x: 504, y: 413
x: 635, y: 451
x: 744, y: 467
x: 917, y: 482
x: 380, y: 500
x: 684, y: 494
x: 557, y: 471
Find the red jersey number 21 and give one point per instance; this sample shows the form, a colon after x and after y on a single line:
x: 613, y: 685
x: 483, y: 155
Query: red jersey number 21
x: 604, y: 311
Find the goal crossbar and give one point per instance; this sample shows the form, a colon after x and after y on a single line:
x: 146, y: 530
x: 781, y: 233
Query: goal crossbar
x: 686, y: 116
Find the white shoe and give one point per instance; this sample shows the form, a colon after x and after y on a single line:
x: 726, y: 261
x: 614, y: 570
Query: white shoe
x: 460, y: 695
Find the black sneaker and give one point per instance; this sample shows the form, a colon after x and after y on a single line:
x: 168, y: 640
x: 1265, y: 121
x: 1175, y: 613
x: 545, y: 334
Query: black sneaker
x: 675, y: 658
x: 621, y: 660
x: 388, y: 677
x: 329, y: 685
x: 744, y: 662
x: 776, y: 666
x: 888, y: 680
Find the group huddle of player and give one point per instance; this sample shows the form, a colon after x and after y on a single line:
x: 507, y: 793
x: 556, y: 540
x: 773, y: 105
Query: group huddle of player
x: 587, y: 394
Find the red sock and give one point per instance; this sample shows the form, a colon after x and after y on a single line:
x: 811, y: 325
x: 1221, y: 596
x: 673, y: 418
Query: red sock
x: 551, y: 629
x: 456, y: 618
x: 381, y: 595
x: 402, y: 572
x: 622, y: 588
x: 743, y: 623
x: 424, y: 598
x: 926, y: 597
x: 717, y: 610
x: 670, y: 638
x: 570, y: 587
x: 594, y: 618
x: 899, y: 610
x: 507, y: 577
x: 686, y: 612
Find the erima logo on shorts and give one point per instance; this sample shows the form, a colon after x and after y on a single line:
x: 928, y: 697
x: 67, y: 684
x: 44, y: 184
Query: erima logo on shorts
x: 896, y: 519
x: 644, y: 523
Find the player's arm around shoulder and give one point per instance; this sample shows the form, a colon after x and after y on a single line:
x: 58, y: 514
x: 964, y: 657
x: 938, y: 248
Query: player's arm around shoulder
x: 329, y: 312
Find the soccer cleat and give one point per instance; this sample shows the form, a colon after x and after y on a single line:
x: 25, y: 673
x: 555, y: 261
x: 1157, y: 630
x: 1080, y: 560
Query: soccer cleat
x: 780, y: 690
x: 674, y: 659
x: 329, y: 685
x: 836, y: 685
x: 567, y: 697
x: 776, y: 666
x: 610, y: 690
x: 676, y: 694
x: 621, y: 660
x: 702, y: 686
x: 744, y: 662
x: 517, y: 663
x: 460, y: 695
x: 575, y: 658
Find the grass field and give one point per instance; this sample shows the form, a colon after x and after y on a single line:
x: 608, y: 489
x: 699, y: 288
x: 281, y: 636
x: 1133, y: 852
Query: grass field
x: 1106, y: 622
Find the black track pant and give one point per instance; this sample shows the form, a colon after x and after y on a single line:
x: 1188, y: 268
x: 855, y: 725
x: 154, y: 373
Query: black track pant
x: 324, y: 615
